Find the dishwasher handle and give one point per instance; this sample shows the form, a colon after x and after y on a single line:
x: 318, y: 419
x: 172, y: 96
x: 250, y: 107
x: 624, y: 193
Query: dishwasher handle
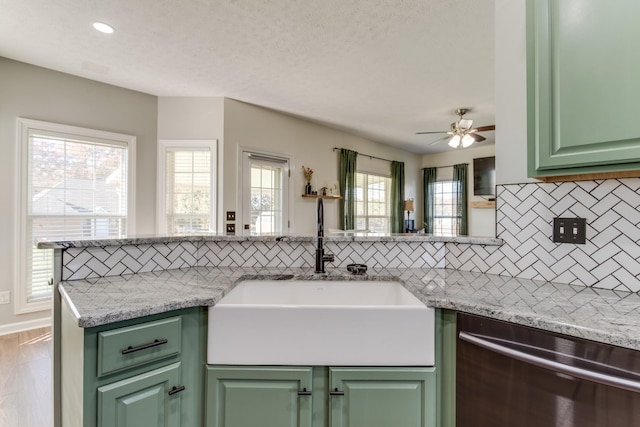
x: 585, y: 374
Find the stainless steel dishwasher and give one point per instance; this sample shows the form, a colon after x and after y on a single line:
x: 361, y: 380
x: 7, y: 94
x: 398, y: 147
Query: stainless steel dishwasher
x: 515, y: 376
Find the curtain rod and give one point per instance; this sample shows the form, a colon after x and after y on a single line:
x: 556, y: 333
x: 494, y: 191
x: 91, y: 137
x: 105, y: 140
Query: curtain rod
x: 366, y: 155
x: 448, y: 166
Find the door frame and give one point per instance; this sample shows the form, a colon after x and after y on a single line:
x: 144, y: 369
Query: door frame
x: 240, y: 213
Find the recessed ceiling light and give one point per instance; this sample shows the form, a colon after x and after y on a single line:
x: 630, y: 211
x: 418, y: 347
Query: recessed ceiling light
x: 103, y: 28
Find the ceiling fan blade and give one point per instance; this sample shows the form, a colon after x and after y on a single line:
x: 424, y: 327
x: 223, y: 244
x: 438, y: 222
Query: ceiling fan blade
x: 439, y: 140
x: 425, y: 133
x: 485, y: 128
x: 478, y: 138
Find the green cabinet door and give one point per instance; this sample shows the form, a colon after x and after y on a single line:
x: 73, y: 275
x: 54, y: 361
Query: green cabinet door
x: 382, y: 397
x: 246, y: 396
x: 145, y: 400
x: 582, y: 86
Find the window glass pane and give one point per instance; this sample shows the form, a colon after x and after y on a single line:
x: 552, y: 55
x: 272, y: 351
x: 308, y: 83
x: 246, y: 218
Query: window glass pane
x: 378, y: 225
x: 188, y: 190
x: 446, y: 210
x: 75, y: 189
x: 266, y: 198
x: 373, y: 211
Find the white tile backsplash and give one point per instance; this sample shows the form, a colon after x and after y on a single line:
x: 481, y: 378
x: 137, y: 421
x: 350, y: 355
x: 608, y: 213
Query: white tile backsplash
x: 83, y: 263
x: 610, y: 259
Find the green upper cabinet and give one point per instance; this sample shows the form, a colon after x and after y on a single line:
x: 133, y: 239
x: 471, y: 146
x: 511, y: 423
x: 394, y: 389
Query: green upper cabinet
x: 583, y: 86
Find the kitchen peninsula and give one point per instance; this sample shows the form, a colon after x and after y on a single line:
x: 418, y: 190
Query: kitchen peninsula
x: 173, y: 274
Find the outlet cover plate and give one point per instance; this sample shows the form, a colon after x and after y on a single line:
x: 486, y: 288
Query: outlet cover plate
x: 5, y: 297
x: 231, y: 229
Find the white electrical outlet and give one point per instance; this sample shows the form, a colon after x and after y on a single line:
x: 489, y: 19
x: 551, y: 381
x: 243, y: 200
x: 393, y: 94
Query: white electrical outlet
x: 5, y: 297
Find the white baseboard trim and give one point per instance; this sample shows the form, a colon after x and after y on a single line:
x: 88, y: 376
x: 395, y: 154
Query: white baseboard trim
x: 13, y: 328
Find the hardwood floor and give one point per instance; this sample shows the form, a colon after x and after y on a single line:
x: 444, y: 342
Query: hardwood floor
x: 25, y: 379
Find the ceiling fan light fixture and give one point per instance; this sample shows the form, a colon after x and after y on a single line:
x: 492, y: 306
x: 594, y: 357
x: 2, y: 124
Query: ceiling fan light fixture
x: 454, y: 142
x: 467, y: 140
x: 462, y: 132
x: 465, y: 124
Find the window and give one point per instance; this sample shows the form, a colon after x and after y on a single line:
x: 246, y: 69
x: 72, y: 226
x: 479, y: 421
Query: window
x: 373, y: 195
x: 75, y: 184
x: 265, y: 199
x: 186, y: 186
x: 446, y: 218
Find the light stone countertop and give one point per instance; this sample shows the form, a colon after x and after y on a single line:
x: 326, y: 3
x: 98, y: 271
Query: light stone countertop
x: 329, y: 237
x: 595, y: 314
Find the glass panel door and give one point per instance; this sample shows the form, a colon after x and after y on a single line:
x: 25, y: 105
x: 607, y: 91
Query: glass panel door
x: 265, y: 195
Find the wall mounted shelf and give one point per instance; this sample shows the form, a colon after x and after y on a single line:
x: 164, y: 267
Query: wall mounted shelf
x: 485, y: 204
x: 315, y: 196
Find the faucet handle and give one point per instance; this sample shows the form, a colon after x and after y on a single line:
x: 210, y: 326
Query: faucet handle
x: 327, y: 257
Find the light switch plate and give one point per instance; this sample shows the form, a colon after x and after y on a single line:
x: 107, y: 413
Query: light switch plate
x: 231, y: 216
x: 570, y: 230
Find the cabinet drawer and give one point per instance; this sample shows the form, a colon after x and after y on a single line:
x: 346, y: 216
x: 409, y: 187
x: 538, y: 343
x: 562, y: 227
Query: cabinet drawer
x: 139, y: 344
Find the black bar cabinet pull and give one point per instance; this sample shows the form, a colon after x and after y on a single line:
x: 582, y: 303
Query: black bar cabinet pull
x: 304, y: 392
x: 155, y: 343
x: 177, y: 389
x: 336, y: 392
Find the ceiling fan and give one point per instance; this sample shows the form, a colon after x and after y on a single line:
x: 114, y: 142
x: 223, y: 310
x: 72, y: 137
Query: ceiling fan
x: 461, y: 134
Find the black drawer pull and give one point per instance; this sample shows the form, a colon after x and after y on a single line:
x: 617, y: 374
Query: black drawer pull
x: 304, y: 392
x: 155, y: 343
x: 177, y: 389
x: 336, y: 392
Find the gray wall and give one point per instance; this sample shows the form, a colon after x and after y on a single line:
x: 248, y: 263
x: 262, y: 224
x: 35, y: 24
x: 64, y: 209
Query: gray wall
x: 310, y: 144
x: 511, y: 92
x: 195, y: 118
x: 37, y: 93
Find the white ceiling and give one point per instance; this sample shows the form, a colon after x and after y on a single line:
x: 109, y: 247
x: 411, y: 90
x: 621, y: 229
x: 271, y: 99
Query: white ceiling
x: 381, y: 69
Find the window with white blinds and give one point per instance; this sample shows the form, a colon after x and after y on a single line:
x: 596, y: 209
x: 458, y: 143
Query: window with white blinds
x: 75, y: 185
x: 186, y: 183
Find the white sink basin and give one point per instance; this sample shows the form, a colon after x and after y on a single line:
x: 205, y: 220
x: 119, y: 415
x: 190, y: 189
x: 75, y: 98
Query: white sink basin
x: 321, y: 323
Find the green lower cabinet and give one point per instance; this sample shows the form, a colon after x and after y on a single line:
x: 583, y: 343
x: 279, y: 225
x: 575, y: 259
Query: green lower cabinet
x: 123, y: 374
x: 257, y: 396
x: 382, y: 397
x: 242, y: 396
x: 143, y: 400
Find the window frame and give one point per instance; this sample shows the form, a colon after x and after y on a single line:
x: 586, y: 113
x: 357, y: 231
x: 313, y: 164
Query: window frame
x: 186, y: 144
x: 454, y: 217
x: 365, y: 199
x: 24, y: 128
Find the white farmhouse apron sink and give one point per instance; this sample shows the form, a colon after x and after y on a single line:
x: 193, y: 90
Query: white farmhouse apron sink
x: 321, y: 323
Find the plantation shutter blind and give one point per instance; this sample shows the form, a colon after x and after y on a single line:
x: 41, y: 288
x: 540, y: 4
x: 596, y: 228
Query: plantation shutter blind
x: 188, y: 190
x: 76, y: 189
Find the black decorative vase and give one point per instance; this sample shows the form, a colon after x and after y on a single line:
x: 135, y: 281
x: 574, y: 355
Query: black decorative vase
x: 307, y: 188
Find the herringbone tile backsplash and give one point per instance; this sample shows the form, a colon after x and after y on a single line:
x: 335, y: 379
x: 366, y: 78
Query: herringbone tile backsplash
x: 610, y: 258
x: 82, y: 263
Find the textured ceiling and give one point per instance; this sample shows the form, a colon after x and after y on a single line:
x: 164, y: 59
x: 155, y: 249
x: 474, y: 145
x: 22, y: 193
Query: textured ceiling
x: 376, y: 68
